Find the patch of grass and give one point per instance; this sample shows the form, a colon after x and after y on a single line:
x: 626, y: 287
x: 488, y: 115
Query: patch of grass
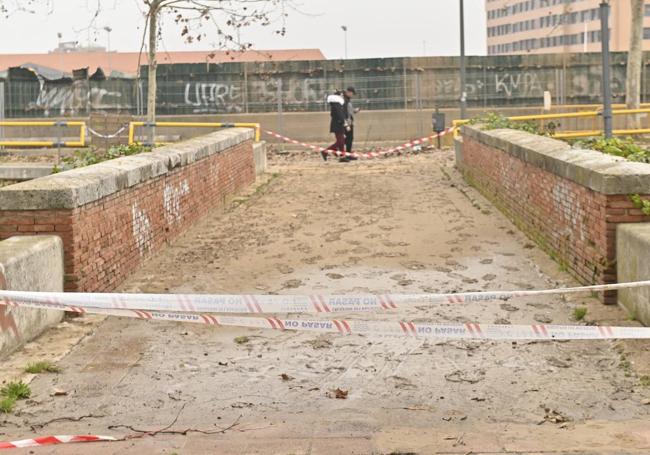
x: 7, y: 405
x: 623, y: 147
x: 644, y: 381
x: 16, y: 389
x: 625, y: 365
x: 641, y: 204
x: 82, y: 158
x: 493, y: 121
x: 242, y: 340
x: 579, y: 313
x: 44, y: 366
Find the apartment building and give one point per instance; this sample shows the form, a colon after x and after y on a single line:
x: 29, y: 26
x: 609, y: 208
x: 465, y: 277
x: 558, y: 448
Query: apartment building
x: 551, y: 26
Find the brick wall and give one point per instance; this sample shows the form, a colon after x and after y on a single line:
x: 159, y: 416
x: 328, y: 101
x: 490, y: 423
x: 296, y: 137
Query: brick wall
x: 563, y: 199
x: 110, y: 228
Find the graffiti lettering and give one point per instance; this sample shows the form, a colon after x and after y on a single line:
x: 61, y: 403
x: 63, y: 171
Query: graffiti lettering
x: 142, y: 230
x: 172, y: 201
x: 213, y: 97
x: 524, y: 84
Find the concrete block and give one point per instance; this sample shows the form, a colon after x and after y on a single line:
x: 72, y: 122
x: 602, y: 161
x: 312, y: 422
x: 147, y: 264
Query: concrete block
x: 259, y: 154
x: 24, y: 171
x: 458, y: 149
x: 632, y: 253
x: 33, y: 263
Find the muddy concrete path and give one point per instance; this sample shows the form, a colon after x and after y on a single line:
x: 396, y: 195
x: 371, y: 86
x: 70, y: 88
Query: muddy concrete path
x: 395, y: 225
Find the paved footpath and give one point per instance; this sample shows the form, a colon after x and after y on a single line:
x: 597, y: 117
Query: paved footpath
x: 394, y: 225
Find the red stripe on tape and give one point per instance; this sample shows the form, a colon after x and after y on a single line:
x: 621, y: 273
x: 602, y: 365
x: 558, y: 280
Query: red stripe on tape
x: 324, y: 305
x: 314, y: 301
x: 255, y: 303
x: 51, y: 440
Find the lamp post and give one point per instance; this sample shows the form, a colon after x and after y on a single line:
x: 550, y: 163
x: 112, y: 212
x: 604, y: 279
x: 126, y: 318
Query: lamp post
x: 345, y: 33
x: 607, y: 88
x: 108, y: 31
x: 463, y: 76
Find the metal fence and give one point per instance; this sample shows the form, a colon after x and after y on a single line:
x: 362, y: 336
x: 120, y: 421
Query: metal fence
x: 292, y: 91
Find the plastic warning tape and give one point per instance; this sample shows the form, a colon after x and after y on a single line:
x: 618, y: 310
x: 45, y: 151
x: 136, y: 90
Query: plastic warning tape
x: 107, y: 136
x: 366, y: 155
x: 51, y: 440
x: 399, y: 329
x: 270, y: 304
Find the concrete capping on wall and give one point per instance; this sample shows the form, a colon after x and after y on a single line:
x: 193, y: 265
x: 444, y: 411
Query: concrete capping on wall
x: 600, y: 172
x: 78, y: 187
x: 632, y: 253
x: 24, y: 171
x: 28, y: 264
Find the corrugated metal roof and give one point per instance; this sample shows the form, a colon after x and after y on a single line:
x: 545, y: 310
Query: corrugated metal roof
x: 127, y: 62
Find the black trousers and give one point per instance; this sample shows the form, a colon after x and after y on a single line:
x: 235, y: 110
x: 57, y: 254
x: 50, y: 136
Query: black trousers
x: 349, y: 138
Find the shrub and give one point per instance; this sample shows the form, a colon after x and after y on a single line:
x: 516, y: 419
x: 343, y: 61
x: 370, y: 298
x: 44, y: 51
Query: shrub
x: 494, y: 121
x: 623, y: 147
x: 82, y: 158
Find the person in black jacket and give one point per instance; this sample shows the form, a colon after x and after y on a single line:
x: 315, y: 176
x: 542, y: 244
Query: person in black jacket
x: 338, y: 124
x: 350, y: 110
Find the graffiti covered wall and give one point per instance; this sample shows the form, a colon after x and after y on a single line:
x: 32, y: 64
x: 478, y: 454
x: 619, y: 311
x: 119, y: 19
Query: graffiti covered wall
x: 397, y: 83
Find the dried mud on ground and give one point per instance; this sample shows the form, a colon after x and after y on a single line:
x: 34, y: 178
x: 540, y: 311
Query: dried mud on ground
x: 402, y: 224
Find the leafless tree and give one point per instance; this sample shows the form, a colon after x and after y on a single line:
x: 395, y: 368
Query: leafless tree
x: 192, y: 16
x: 9, y: 7
x: 635, y: 59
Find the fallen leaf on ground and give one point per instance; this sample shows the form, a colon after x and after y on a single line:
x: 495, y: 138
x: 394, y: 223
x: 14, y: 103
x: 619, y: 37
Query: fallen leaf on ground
x: 554, y: 416
x: 338, y: 394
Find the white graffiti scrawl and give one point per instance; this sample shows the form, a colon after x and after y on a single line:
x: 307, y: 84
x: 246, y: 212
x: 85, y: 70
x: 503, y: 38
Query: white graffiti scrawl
x: 142, y: 230
x: 172, y: 201
x: 521, y: 83
x: 213, y: 97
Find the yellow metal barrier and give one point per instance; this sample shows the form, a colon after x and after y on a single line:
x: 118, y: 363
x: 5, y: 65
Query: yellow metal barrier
x: 571, y: 134
x: 61, y: 124
x: 133, y: 125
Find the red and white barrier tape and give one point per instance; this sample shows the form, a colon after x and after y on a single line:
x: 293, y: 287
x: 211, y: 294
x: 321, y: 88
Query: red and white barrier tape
x: 367, y: 155
x: 269, y: 304
x: 51, y: 440
x: 400, y: 329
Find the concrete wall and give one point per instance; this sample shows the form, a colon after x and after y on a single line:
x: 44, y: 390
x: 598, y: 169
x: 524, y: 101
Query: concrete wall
x: 28, y: 264
x: 569, y: 201
x: 633, y: 251
x: 114, y: 215
x: 259, y: 155
x: 24, y: 171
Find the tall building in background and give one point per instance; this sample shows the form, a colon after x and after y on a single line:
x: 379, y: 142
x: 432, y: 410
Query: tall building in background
x: 552, y: 26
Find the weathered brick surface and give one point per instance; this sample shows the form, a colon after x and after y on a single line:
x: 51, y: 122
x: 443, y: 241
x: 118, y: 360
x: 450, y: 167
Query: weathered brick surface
x: 573, y: 223
x: 105, y: 240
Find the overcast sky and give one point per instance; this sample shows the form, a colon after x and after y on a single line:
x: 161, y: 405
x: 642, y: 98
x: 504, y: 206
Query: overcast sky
x: 377, y: 28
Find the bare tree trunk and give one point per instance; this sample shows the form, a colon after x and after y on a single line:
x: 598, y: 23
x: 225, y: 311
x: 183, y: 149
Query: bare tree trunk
x: 152, y: 66
x: 634, y: 60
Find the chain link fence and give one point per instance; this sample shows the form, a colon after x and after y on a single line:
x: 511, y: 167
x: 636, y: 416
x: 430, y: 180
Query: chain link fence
x: 283, y: 91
